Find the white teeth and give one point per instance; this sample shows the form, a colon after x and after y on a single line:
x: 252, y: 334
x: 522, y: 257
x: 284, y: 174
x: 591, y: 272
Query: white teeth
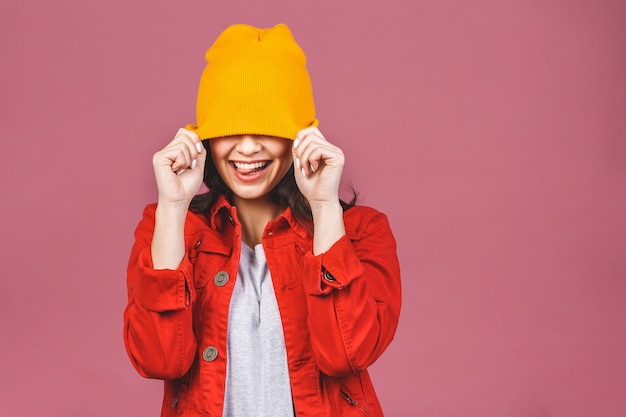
x: 256, y: 165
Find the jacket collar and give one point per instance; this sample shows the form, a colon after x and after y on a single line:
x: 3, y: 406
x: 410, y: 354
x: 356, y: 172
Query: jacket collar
x: 222, y: 211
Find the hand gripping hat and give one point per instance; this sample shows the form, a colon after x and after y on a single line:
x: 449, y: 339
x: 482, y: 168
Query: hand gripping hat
x: 255, y: 83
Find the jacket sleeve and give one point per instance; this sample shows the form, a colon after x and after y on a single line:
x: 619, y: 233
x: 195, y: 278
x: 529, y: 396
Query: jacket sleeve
x: 158, y: 332
x: 353, y: 298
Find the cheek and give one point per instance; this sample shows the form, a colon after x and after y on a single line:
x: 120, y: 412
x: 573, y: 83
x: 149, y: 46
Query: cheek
x: 219, y: 158
x: 221, y: 170
x: 218, y: 151
x: 285, y: 162
x: 284, y: 154
x: 214, y: 148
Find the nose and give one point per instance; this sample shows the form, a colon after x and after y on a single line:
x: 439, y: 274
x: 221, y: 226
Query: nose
x: 248, y: 145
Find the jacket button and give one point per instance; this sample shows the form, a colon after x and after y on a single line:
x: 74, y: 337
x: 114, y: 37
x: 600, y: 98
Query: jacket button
x: 329, y: 277
x: 221, y: 278
x: 209, y: 354
x: 197, y: 244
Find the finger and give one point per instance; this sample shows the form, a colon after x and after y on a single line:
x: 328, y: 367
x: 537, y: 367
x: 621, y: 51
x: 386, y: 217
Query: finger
x: 314, y: 154
x: 202, y: 147
x: 181, y: 157
x: 307, y: 131
x: 198, y: 162
x: 298, y: 169
x: 192, y: 141
x: 187, y: 133
x: 295, y: 153
x: 302, y: 148
x: 202, y: 155
x: 188, y: 148
x: 172, y: 157
x: 304, y: 136
x: 297, y: 162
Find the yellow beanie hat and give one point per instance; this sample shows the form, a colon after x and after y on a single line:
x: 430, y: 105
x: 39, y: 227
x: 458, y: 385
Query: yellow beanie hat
x: 255, y: 83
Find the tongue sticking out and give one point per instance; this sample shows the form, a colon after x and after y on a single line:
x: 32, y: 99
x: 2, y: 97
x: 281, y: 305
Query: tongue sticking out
x: 243, y: 171
x: 250, y: 169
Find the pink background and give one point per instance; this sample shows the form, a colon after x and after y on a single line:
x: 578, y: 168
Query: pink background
x: 493, y: 134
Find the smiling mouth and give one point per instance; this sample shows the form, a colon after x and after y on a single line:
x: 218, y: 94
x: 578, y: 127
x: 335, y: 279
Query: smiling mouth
x: 245, y: 168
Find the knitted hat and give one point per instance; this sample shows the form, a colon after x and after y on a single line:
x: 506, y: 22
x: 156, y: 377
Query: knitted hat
x: 255, y: 83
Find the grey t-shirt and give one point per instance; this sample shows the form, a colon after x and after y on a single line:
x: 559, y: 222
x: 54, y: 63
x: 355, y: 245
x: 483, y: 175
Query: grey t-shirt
x: 257, y: 377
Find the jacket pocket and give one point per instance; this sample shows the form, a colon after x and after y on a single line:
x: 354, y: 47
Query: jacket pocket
x: 175, y: 396
x: 346, y: 398
x: 359, y: 408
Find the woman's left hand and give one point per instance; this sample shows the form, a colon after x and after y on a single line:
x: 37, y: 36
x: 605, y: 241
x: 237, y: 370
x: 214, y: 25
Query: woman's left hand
x: 318, y: 166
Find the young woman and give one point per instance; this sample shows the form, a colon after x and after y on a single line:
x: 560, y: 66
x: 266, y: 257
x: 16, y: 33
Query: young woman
x: 267, y: 295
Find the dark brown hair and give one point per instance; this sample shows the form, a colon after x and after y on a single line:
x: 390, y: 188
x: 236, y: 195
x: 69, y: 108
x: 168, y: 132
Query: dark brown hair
x: 286, y: 193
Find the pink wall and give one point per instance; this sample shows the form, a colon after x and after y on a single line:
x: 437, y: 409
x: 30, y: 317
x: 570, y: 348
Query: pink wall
x: 491, y: 132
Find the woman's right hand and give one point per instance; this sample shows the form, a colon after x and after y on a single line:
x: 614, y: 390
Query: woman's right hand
x: 179, y: 169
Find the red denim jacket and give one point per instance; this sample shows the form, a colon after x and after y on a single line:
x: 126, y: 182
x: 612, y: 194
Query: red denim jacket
x: 339, y: 310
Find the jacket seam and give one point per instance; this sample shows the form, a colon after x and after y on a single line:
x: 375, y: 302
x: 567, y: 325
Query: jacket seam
x: 347, y: 340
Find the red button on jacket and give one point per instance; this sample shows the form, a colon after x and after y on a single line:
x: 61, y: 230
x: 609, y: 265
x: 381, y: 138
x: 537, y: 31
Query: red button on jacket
x: 339, y: 310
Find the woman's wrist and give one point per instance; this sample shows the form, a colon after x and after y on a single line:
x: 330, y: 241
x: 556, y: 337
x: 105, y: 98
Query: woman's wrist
x: 168, y: 242
x: 325, y: 207
x: 328, y: 225
x: 173, y: 207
